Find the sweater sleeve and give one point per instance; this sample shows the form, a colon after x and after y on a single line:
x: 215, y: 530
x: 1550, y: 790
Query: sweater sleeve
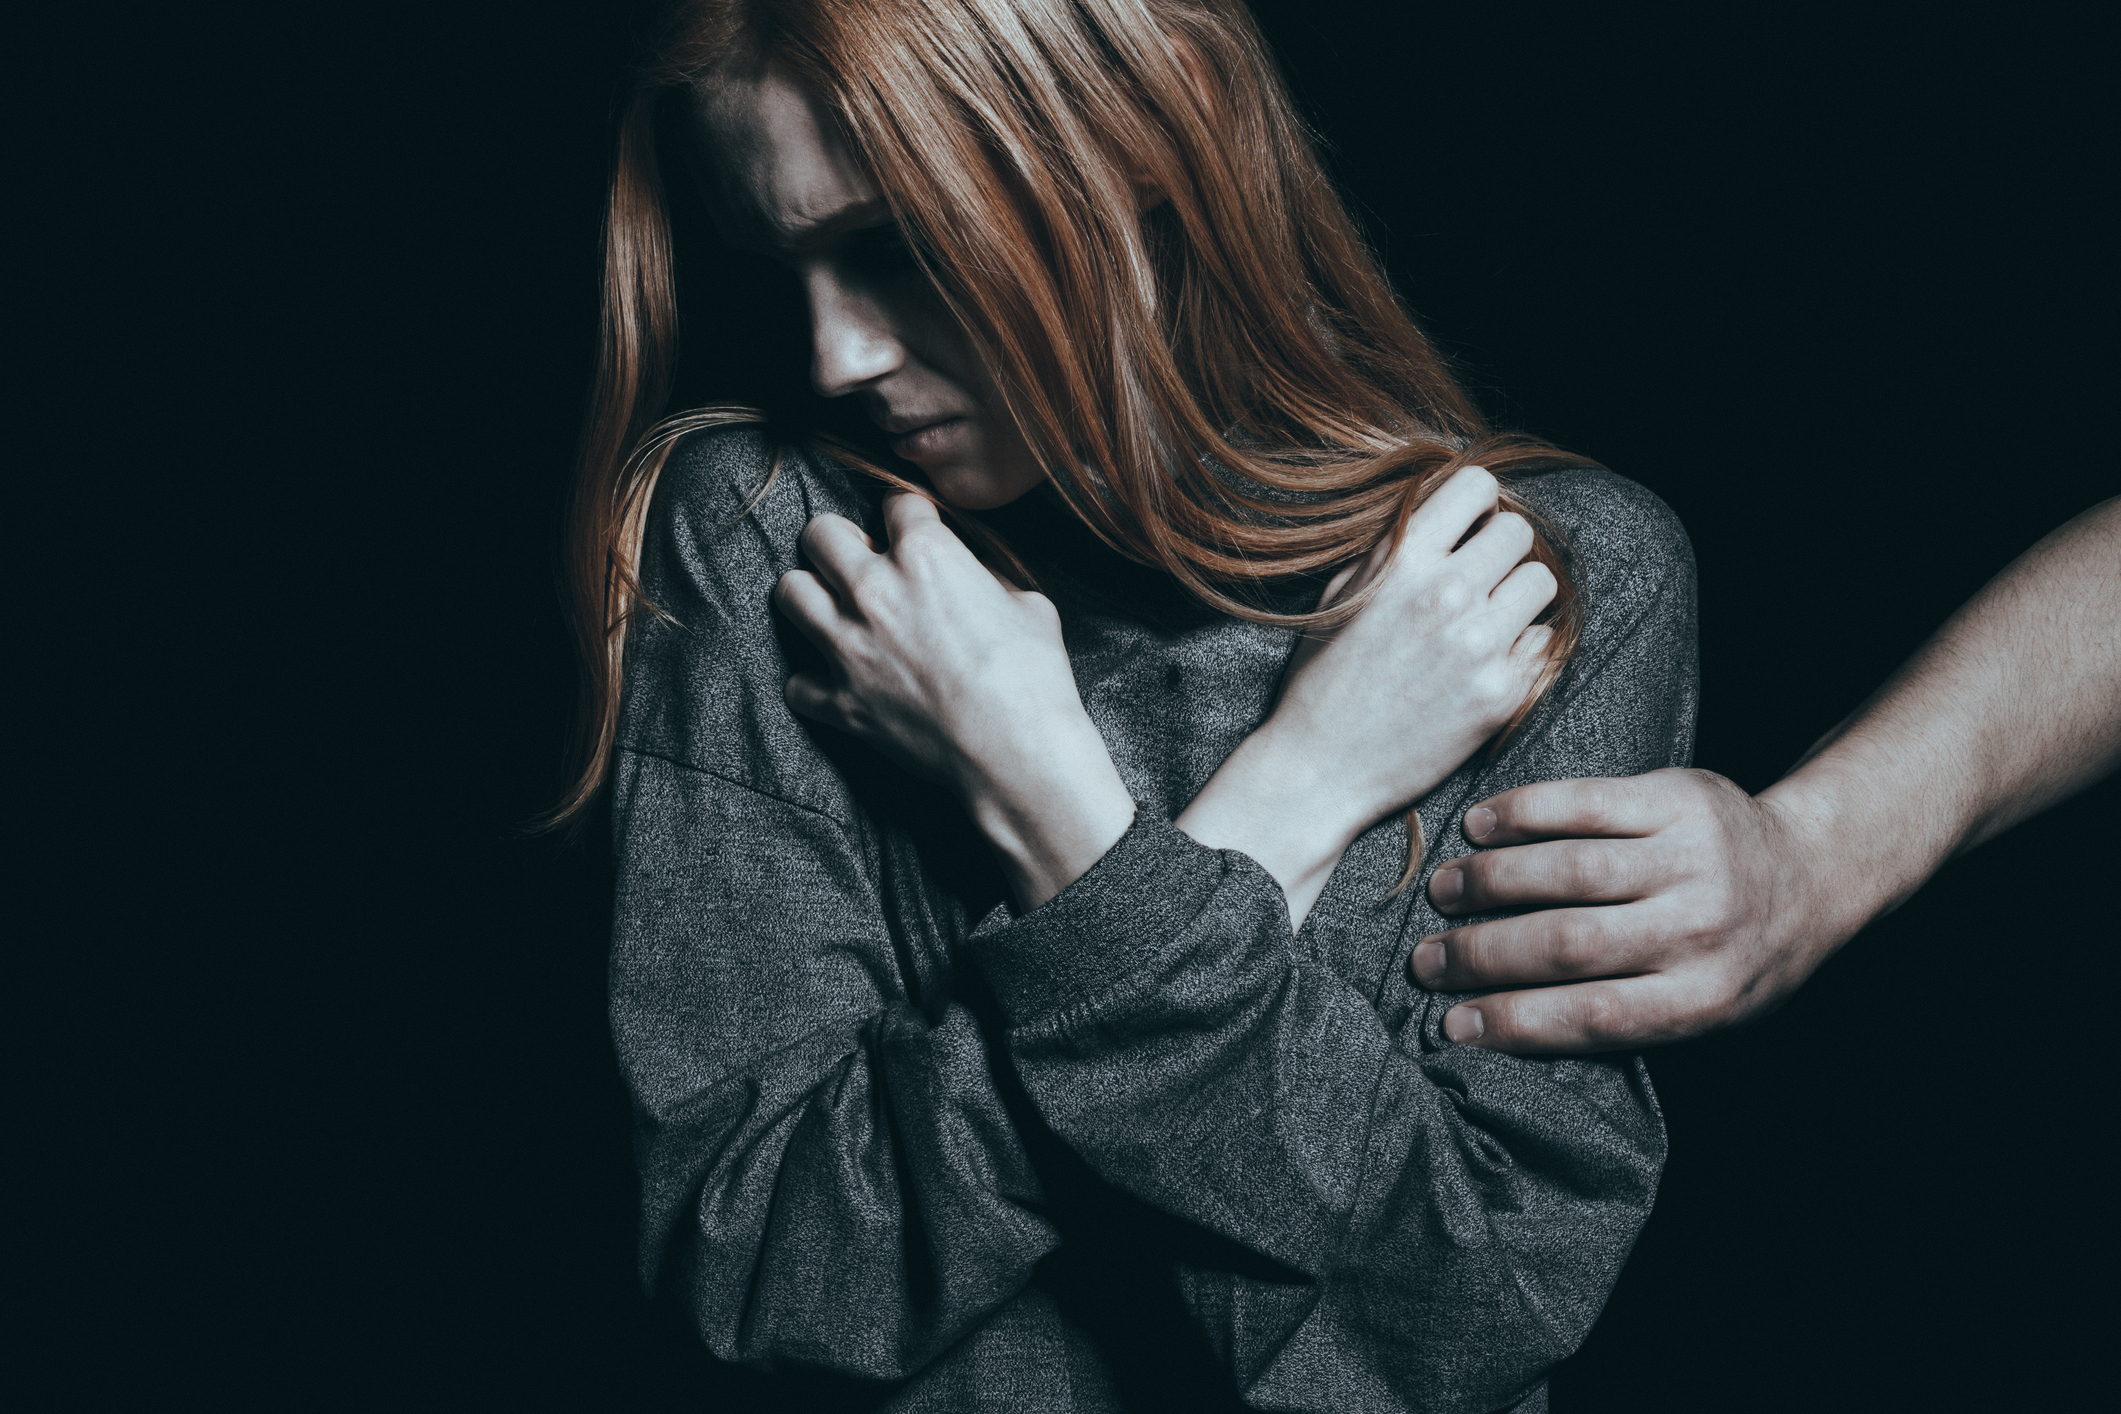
x: 827, y: 1171
x: 1440, y: 1224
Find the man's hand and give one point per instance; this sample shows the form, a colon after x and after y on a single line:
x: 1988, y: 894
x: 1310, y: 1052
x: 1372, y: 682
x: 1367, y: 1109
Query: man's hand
x: 1710, y: 906
x: 1707, y: 911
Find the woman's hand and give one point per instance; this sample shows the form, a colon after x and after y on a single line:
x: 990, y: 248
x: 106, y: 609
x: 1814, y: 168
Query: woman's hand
x: 962, y: 678
x: 1376, y: 714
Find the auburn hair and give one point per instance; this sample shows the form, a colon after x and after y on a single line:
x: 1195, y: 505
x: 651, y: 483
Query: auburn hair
x: 1225, y: 386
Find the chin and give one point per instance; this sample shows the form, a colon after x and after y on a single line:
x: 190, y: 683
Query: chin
x: 977, y: 488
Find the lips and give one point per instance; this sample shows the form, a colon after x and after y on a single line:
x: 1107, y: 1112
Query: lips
x: 914, y: 438
x: 901, y: 425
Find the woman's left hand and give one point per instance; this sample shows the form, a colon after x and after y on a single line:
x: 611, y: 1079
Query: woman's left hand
x: 958, y: 676
x: 1375, y: 713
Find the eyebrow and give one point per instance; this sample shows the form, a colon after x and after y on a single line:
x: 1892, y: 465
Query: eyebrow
x: 862, y: 214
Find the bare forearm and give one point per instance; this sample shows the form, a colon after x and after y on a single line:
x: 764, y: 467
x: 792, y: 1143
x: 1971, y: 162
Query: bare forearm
x: 1727, y: 902
x: 1052, y: 814
x: 2013, y: 705
x: 1268, y: 801
x: 1373, y: 715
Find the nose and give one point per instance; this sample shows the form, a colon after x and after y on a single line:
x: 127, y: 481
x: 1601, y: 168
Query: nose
x: 852, y: 340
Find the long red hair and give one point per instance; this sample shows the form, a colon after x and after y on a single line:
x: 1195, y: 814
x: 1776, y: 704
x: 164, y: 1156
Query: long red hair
x: 1226, y: 387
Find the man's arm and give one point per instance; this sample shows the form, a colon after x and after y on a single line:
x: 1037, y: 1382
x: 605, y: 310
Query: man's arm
x: 1720, y: 904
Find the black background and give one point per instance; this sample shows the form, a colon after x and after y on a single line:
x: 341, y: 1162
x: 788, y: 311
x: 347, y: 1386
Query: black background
x: 318, y: 1107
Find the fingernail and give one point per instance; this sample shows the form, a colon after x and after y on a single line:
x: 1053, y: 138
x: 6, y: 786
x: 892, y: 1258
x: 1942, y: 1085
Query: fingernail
x: 1446, y: 887
x: 1480, y: 822
x: 1428, y: 961
x: 1463, y: 1024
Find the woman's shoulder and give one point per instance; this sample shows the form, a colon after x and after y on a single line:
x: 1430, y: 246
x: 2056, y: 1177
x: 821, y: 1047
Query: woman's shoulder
x: 705, y: 673
x: 729, y: 511
x: 722, y: 477
x: 1624, y: 542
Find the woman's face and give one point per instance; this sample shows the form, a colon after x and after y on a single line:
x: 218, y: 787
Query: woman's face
x: 784, y: 184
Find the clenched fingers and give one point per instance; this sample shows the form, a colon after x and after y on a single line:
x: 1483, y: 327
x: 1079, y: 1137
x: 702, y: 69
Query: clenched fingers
x: 812, y: 697
x: 1443, y: 519
x: 1488, y: 557
x: 841, y: 551
x: 809, y: 605
x: 1527, y: 589
x: 904, y: 512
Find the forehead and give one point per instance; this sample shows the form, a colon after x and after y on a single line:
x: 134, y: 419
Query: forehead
x: 777, y: 170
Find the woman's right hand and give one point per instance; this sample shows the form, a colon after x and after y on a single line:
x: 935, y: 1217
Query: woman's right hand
x: 1377, y: 713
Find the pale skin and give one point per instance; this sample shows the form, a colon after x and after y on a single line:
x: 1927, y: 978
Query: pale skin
x: 965, y: 679
x: 1712, y: 905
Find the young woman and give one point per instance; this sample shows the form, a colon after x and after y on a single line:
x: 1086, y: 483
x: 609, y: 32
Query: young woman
x: 1010, y: 960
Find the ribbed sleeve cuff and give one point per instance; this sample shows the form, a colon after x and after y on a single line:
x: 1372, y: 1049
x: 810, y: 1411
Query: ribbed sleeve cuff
x: 1144, y: 892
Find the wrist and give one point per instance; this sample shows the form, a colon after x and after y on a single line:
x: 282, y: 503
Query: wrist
x: 1851, y: 851
x: 1050, y: 811
x: 1272, y: 802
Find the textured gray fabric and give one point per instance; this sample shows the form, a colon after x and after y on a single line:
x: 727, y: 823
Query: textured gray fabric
x: 1141, y: 1148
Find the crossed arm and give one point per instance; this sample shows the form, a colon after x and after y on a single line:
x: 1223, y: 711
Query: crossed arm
x: 1715, y: 905
x: 1711, y: 906
x: 965, y: 680
x: 815, y: 1095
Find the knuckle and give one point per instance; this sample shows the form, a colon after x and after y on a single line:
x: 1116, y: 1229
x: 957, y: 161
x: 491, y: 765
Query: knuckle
x: 1603, y: 1017
x: 849, y: 710
x: 1694, y: 789
x: 864, y: 592
x: 1593, y: 870
x: 1464, y: 636
x: 1566, y: 946
x: 1726, y: 999
x: 932, y: 547
x: 916, y: 547
x: 1494, y: 691
x: 1691, y: 1009
x: 1448, y: 593
x: 1705, y: 928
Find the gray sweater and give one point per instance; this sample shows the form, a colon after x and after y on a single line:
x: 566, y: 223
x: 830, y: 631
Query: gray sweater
x: 1141, y: 1148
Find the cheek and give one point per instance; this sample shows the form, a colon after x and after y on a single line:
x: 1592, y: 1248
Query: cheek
x: 995, y: 465
x: 934, y: 337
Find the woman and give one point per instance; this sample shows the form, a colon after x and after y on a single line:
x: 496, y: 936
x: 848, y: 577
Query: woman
x: 1013, y: 982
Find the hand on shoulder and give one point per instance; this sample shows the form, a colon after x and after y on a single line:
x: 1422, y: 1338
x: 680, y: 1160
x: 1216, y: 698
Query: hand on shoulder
x: 1709, y: 906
